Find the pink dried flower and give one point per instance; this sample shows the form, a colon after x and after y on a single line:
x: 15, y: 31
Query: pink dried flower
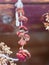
x: 26, y: 37
x: 20, y: 57
x: 23, y: 55
x: 22, y: 42
x: 25, y: 52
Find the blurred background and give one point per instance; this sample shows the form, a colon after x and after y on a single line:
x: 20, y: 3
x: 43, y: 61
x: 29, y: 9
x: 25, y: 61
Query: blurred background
x: 39, y: 42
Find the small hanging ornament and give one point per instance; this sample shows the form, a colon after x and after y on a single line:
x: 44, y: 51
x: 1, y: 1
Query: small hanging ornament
x: 22, y: 42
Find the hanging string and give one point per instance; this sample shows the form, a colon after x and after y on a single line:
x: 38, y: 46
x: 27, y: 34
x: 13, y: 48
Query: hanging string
x: 4, y: 56
x: 17, y: 20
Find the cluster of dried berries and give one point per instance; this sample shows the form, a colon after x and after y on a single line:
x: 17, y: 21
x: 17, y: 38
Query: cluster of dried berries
x: 22, y: 54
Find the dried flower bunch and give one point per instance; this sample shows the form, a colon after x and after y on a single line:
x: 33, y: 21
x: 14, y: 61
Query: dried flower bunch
x: 5, y: 49
x: 22, y: 32
x: 46, y: 20
x: 4, y: 55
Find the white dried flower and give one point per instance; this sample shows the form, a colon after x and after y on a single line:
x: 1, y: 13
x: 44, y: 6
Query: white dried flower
x: 4, y: 51
x: 47, y: 17
x: 47, y: 28
x: 2, y: 44
x: 5, y: 48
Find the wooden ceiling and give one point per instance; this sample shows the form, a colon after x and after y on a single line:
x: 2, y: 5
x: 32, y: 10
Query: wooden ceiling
x: 24, y: 1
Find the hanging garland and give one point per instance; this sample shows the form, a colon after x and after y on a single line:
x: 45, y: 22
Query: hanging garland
x: 22, y: 32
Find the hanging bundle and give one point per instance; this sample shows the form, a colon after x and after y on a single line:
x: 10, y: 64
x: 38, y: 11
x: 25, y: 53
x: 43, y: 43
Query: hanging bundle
x: 45, y: 18
x: 22, y: 54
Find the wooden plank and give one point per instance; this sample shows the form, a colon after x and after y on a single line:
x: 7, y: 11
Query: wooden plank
x: 24, y: 1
